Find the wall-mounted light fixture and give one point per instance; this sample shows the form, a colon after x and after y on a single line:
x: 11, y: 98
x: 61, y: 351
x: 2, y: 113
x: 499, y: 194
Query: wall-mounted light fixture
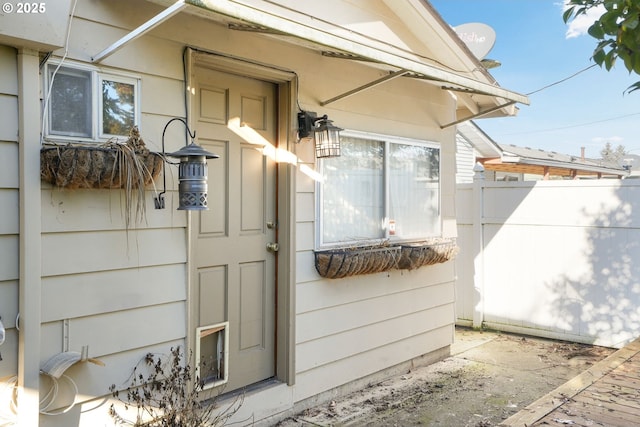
x: 325, y: 134
x: 192, y: 173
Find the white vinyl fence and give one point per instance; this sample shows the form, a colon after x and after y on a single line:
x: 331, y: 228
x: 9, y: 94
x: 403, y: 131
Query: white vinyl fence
x: 556, y: 259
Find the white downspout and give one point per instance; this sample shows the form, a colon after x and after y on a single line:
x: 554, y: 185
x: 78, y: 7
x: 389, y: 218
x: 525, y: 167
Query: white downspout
x: 30, y: 249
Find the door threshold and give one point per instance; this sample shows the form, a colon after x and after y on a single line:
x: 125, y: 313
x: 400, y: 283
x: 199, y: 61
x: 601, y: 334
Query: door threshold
x: 250, y: 389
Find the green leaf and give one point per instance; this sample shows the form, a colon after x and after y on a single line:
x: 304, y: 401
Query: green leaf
x: 609, y: 60
x: 633, y: 87
x: 596, y: 31
x: 636, y: 63
x: 627, y: 59
x: 598, y: 56
x: 617, y: 32
x: 566, y: 16
x: 609, y: 23
x: 631, y: 23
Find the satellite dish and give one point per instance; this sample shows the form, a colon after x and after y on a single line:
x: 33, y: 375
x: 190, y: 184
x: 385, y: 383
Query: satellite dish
x: 478, y: 37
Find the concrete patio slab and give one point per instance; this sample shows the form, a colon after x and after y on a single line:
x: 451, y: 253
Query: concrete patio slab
x: 489, y: 377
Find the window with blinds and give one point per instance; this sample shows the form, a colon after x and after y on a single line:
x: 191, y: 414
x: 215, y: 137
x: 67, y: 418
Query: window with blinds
x: 379, y: 188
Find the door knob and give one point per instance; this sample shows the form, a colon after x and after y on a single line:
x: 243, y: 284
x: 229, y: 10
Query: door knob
x: 273, y: 247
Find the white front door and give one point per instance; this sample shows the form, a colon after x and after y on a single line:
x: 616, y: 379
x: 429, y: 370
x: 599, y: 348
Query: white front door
x: 233, y: 276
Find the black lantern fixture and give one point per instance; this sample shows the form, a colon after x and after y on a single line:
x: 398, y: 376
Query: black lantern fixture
x: 192, y: 173
x: 325, y: 134
x: 327, y: 138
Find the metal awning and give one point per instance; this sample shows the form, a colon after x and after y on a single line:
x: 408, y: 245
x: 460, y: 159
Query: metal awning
x: 307, y: 28
x: 273, y: 17
x: 142, y: 29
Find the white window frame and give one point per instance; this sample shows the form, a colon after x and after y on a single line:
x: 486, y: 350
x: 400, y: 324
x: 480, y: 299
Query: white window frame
x: 386, y: 140
x: 50, y: 111
x: 97, y: 76
x: 100, y: 109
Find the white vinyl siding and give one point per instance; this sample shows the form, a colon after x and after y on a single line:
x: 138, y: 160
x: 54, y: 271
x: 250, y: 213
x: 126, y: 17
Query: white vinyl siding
x: 465, y: 160
x: 122, y: 293
x: 346, y: 327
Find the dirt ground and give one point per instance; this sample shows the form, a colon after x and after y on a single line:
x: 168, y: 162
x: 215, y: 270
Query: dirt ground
x: 488, y: 377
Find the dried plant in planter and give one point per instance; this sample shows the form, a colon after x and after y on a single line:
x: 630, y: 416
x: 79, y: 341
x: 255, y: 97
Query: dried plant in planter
x: 345, y: 262
x: 125, y: 165
x: 432, y: 251
x: 167, y: 394
x: 113, y: 164
x: 338, y: 263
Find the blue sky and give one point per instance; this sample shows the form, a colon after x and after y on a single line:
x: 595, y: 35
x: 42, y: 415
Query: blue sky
x: 536, y: 48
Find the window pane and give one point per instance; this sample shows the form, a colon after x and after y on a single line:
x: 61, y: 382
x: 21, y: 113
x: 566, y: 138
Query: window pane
x: 118, y: 107
x: 70, y: 109
x: 414, y: 199
x: 353, y: 192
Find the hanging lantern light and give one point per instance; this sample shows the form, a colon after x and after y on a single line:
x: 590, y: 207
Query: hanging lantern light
x: 192, y: 177
x: 325, y: 135
x: 192, y: 174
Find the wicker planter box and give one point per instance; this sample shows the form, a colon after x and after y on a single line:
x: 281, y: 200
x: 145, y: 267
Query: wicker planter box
x: 110, y: 165
x: 335, y: 264
x: 416, y: 255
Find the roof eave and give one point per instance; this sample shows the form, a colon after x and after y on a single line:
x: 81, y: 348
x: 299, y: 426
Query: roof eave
x: 578, y: 167
x: 305, y: 27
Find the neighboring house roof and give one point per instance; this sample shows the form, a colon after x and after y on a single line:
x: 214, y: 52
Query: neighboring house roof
x: 631, y: 162
x: 524, y: 160
x: 432, y: 54
x: 549, y: 163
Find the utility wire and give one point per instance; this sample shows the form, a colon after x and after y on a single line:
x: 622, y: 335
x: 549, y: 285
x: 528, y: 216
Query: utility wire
x: 561, y: 81
x: 571, y: 126
x: 574, y: 126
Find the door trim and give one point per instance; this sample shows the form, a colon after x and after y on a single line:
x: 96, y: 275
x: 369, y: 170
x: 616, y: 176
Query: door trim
x: 286, y: 114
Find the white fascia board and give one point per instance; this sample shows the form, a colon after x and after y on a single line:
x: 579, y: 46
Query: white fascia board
x: 482, y: 143
x: 305, y: 27
x: 506, y: 158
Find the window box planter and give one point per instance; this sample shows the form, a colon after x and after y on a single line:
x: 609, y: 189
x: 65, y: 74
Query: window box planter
x: 433, y: 251
x: 110, y: 165
x: 338, y: 263
x: 128, y: 165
